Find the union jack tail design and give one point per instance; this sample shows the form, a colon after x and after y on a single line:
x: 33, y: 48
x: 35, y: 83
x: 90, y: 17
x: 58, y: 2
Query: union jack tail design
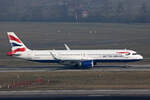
x: 16, y: 44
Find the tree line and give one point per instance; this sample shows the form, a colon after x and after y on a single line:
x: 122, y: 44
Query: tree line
x: 75, y: 10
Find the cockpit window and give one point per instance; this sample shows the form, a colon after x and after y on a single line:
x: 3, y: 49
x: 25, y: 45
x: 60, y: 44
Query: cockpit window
x: 134, y: 53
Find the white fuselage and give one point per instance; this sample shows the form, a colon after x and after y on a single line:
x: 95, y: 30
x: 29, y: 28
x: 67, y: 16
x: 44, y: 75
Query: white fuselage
x: 83, y: 58
x: 95, y: 55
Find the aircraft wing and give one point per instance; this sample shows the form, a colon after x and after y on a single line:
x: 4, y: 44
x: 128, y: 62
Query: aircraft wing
x: 72, y: 61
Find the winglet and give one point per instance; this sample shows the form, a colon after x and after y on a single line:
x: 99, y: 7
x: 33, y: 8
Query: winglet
x: 67, y: 47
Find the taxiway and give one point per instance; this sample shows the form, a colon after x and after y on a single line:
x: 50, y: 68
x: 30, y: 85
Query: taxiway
x: 66, y: 68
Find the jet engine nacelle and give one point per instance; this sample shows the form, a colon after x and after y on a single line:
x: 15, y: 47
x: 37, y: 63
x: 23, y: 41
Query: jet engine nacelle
x: 86, y: 64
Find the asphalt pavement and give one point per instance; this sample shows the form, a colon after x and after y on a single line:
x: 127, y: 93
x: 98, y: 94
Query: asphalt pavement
x: 69, y: 68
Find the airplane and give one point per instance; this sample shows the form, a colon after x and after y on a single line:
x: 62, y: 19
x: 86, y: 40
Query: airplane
x: 79, y: 58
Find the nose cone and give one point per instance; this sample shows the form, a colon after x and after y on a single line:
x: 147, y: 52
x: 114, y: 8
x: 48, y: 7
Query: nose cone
x: 140, y: 57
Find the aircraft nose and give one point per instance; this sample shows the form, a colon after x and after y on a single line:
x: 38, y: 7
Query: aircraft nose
x: 140, y: 57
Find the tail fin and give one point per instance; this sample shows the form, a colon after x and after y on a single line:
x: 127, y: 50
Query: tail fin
x: 16, y: 44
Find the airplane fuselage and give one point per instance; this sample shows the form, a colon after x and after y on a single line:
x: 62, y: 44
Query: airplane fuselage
x: 95, y: 55
x: 82, y: 58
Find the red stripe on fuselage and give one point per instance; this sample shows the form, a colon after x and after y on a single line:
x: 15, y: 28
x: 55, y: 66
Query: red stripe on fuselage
x: 14, y: 38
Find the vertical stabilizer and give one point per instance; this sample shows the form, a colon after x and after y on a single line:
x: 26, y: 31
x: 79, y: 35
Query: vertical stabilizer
x: 17, y: 45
